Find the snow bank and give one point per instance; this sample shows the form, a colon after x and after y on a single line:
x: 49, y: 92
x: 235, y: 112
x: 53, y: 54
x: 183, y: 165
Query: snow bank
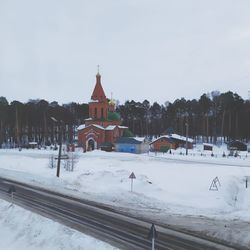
x: 165, y: 184
x: 21, y: 229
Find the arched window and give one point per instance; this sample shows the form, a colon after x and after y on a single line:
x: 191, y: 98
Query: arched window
x: 95, y: 112
x: 102, y: 112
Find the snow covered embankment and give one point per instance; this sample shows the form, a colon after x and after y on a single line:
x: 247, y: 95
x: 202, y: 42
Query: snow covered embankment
x: 24, y: 230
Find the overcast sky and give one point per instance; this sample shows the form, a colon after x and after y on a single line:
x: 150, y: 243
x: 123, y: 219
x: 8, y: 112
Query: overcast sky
x: 158, y: 50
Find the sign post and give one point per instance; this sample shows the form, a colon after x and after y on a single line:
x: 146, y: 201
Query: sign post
x: 11, y: 191
x: 60, y: 145
x: 247, y: 180
x: 132, y: 177
x: 153, y: 235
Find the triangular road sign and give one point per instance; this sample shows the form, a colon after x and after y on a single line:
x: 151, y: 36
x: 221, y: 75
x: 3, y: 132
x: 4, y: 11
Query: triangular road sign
x: 132, y: 176
x: 213, y: 186
x: 152, y: 233
x: 217, y: 180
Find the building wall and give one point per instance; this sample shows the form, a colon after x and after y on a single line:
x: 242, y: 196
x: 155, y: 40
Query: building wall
x: 163, y: 142
x: 182, y: 144
x: 132, y: 148
x: 98, y: 135
x: 98, y: 106
x: 144, y: 148
x: 112, y: 135
x: 94, y: 133
x: 126, y: 147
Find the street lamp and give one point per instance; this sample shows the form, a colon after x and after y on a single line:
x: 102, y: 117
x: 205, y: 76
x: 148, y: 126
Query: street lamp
x: 60, y: 145
x: 186, y: 138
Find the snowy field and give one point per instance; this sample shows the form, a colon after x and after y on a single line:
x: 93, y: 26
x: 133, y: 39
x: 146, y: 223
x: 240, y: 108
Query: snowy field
x: 21, y: 229
x: 172, y: 189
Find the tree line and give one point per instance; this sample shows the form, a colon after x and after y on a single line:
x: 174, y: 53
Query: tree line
x: 212, y: 116
x: 34, y: 121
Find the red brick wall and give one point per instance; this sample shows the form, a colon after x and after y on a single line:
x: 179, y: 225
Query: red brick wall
x: 91, y: 132
x: 98, y: 106
x: 98, y: 135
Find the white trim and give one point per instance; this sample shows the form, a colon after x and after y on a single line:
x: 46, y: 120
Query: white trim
x: 87, y: 143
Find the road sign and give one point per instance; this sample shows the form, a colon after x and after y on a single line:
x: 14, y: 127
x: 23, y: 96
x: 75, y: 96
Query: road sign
x: 153, y: 235
x: 132, y: 177
x: 213, y: 186
x: 63, y: 157
x: 216, y: 179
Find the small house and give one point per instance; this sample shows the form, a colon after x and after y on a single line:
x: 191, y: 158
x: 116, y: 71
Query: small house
x: 131, y: 145
x: 162, y: 144
x: 181, y: 141
x: 33, y: 145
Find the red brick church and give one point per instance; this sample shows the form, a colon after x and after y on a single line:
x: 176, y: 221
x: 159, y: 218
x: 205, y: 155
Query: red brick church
x: 103, y: 127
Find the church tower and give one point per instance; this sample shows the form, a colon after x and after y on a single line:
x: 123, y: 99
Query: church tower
x: 98, y: 106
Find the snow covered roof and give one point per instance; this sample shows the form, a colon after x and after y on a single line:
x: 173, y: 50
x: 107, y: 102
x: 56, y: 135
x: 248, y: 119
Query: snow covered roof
x: 81, y: 127
x: 111, y: 127
x: 97, y: 126
x: 33, y: 143
x: 122, y: 127
x: 181, y: 138
x: 141, y: 139
x: 162, y: 137
x: 91, y: 100
x: 208, y: 144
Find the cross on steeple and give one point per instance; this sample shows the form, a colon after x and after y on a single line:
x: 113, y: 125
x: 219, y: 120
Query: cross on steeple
x: 98, y: 68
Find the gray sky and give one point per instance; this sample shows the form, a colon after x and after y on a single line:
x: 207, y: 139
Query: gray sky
x: 157, y: 50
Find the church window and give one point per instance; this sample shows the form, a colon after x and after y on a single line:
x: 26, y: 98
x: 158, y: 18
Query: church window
x: 95, y: 112
x: 102, y: 112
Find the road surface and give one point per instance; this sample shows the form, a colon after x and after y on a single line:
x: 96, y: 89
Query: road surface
x: 101, y: 222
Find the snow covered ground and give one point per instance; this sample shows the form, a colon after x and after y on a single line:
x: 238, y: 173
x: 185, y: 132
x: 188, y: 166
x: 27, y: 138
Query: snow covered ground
x: 21, y: 229
x: 173, y: 189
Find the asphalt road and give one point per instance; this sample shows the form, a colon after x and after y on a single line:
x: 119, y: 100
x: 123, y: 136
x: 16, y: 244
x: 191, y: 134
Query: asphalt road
x: 101, y: 222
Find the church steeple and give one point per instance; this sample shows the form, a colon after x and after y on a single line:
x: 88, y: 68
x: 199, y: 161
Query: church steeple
x: 98, y: 93
x: 100, y: 108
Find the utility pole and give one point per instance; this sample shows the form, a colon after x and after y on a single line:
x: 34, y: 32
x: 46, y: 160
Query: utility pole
x: 60, y: 145
x: 60, y: 151
x: 186, y: 138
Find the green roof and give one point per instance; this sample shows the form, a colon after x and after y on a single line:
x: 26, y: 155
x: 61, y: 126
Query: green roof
x: 114, y: 116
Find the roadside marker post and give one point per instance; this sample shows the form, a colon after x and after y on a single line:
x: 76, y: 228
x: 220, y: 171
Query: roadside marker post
x: 247, y: 180
x: 11, y: 191
x: 132, y: 177
x: 153, y: 235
